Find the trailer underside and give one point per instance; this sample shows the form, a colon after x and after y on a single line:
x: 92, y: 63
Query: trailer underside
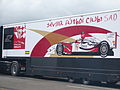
x: 92, y: 69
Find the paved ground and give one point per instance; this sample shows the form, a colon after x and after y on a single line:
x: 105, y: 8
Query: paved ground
x: 8, y: 82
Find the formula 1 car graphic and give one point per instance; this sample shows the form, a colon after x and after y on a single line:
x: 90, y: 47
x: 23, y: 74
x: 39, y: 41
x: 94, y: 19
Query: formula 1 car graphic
x: 98, y: 44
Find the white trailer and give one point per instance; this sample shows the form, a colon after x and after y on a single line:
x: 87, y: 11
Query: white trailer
x: 82, y: 46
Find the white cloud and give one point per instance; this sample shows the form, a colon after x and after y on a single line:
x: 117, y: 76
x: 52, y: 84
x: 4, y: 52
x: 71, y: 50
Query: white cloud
x: 13, y: 11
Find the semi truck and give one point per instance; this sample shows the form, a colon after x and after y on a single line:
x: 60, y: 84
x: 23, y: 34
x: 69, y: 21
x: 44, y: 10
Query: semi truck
x: 83, y: 47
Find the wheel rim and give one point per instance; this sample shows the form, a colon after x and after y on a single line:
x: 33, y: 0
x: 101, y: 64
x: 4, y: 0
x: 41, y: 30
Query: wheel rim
x: 104, y: 49
x: 14, y: 69
x: 86, y: 82
x: 71, y: 80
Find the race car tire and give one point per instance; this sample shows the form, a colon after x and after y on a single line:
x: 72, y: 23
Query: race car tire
x: 59, y: 49
x: 104, y: 49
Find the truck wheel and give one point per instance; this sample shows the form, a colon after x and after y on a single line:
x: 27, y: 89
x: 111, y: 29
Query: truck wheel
x: 86, y: 82
x: 59, y: 49
x: 14, y: 68
x: 104, y: 49
x: 71, y: 80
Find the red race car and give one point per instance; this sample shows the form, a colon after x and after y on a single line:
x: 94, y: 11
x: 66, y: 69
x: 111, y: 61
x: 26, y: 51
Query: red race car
x: 89, y: 45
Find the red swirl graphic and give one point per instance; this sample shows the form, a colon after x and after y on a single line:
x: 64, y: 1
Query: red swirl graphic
x: 41, y: 47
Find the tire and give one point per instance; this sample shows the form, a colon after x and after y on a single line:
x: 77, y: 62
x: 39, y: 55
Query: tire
x: 71, y: 80
x: 59, y: 49
x: 104, y: 49
x: 15, y: 68
x: 85, y: 82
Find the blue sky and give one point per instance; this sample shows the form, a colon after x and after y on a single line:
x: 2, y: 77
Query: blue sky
x: 14, y: 11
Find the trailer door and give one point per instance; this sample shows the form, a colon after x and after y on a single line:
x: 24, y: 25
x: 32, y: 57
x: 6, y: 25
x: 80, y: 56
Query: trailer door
x: 1, y: 29
x: 8, y: 40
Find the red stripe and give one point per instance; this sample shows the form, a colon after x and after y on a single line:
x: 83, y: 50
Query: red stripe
x: 41, y: 48
x: 76, y: 30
